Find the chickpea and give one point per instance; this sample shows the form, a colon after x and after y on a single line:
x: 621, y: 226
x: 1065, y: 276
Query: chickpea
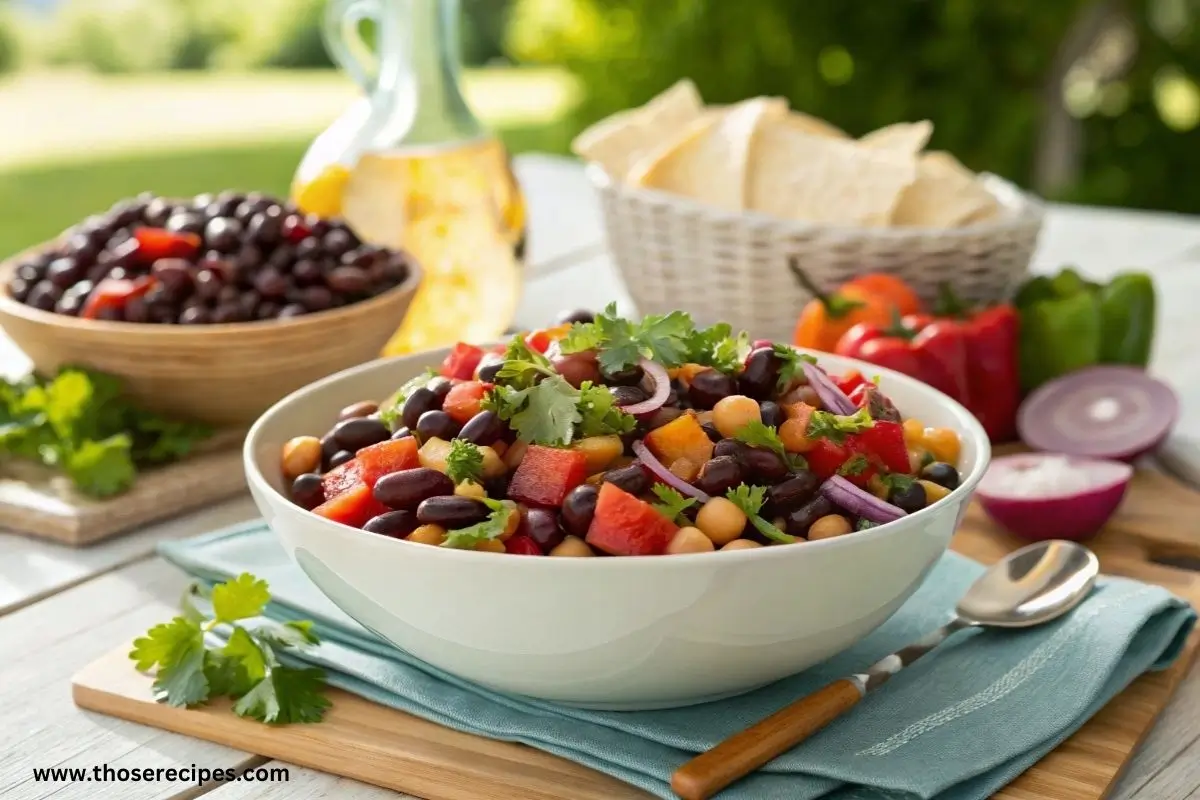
x: 515, y: 454
x: 943, y: 443
x: 704, y: 417
x: 735, y: 412
x: 933, y: 492
x: 493, y: 465
x: 470, y: 489
x: 877, y: 487
x: 599, y: 451
x: 428, y: 534
x: 514, y: 520
x: 721, y: 520
x: 828, y: 526
x: 490, y: 546
x: 914, y: 432
x: 301, y: 455
x: 689, y: 540
x: 741, y: 544
x: 572, y: 547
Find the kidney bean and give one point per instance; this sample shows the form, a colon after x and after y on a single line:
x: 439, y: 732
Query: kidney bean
x: 632, y: 479
x: 482, y: 429
x: 396, y: 524
x: 765, y: 464
x: 339, y: 458
x: 541, y: 525
x: 709, y: 387
x: 417, y: 403
x: 437, y: 424
x: 760, y: 374
x: 359, y: 409
x: 355, y: 434
x: 799, y: 520
x: 794, y: 491
x: 719, y: 475
x: 451, y: 511
x: 772, y: 414
x: 410, y: 487
x: 579, y: 507
x: 307, y: 492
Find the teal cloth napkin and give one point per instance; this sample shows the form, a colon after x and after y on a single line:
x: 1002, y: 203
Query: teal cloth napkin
x: 956, y: 725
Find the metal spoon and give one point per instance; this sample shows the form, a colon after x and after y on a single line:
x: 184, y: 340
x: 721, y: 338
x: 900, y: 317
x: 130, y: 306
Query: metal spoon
x: 1030, y: 586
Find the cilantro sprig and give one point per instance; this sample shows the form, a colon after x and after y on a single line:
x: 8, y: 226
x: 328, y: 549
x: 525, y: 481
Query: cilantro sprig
x: 552, y: 412
x: 758, y: 434
x: 523, y: 366
x: 464, y: 462
x: 621, y: 343
x: 192, y: 668
x: 671, y: 504
x: 718, y: 347
x: 491, y: 528
x: 790, y: 361
x: 79, y: 423
x: 751, y: 499
x: 835, y: 427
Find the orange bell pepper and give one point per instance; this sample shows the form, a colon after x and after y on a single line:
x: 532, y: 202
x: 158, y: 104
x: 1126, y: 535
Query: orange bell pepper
x: 829, y: 315
x: 890, y: 287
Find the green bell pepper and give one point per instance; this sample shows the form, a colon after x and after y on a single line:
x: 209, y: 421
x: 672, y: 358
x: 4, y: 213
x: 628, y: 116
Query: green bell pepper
x: 1127, y: 310
x: 1058, y: 335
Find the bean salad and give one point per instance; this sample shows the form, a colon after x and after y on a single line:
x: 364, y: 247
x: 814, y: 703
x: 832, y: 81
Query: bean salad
x: 602, y: 436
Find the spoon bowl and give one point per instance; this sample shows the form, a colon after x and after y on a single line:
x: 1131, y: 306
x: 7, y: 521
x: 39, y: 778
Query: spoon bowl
x: 1030, y: 586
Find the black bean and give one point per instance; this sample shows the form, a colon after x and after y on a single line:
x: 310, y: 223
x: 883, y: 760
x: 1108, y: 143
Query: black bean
x: 265, y: 226
x: 31, y: 272
x: 19, y: 289
x: 629, y: 376
x: 760, y: 374
x: 908, y: 498
x: 731, y: 447
x: 339, y: 458
x: 270, y: 283
x: 541, y: 525
x: 348, y: 280
x: 65, y: 272
x: 185, y: 222
x: 484, y: 428
x: 337, y: 242
x: 173, y: 273
x: 308, y: 247
x: 719, y: 475
x: 791, y: 493
x: 267, y: 309
x: 44, y: 295
x: 632, y: 479
x: 709, y: 387
x: 420, y: 401
x: 942, y: 474
x: 307, y: 272
x: 401, y: 433
x: 71, y: 302
x: 451, y: 511
x: 771, y: 413
x: 767, y: 465
x: 627, y: 395
x: 799, y: 520
x: 355, y: 434
x: 307, y: 491
x: 158, y: 210
x: 440, y: 387
x: 194, y: 315
x: 579, y: 507
x: 489, y: 366
x: 362, y: 257
x: 396, y: 524
x: 292, y: 310
x: 363, y: 408
x: 574, y: 316
x: 711, y: 431
x: 437, y: 424
x: 409, y: 487
x: 223, y: 234
x: 662, y: 416
x: 223, y: 314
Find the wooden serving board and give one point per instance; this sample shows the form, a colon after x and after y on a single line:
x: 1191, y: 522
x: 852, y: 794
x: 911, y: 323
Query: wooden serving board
x: 37, y: 502
x: 389, y: 748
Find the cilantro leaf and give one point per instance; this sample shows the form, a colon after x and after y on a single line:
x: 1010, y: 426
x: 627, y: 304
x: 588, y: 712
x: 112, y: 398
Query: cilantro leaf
x: 464, y: 462
x: 100, y: 468
x: 621, y: 343
x: 758, y: 434
x: 393, y: 407
x: 751, y: 499
x: 897, y: 481
x: 719, y: 348
x: 523, y: 366
x: 671, y: 503
x: 242, y: 649
x: 294, y: 633
x: 790, y: 360
x: 490, y: 528
x: 164, y: 644
x: 599, y: 414
x: 158, y: 440
x: 835, y: 428
x: 226, y: 676
x: 286, y: 695
x: 239, y: 598
x: 545, y: 413
x: 176, y: 649
x: 857, y: 464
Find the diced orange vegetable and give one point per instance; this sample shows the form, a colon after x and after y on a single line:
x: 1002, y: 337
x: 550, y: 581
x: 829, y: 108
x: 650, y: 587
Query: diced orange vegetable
x: 794, y: 430
x: 680, y: 438
x: 462, y: 401
x: 385, y: 458
x: 623, y: 525
x: 353, y: 507
x: 546, y: 475
x: 341, y: 478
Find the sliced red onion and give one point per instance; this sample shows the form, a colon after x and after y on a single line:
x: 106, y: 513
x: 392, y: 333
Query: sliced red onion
x: 858, y: 501
x: 833, y: 398
x: 665, y: 475
x: 757, y: 343
x: 662, y: 388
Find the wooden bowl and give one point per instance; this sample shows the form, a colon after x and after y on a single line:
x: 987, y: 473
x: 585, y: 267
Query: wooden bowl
x: 220, y: 374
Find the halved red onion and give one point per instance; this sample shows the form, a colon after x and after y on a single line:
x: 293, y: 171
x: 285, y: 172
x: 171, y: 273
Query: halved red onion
x: 842, y: 492
x: 662, y: 388
x: 1052, y: 496
x: 833, y: 398
x: 1099, y: 412
x: 665, y: 475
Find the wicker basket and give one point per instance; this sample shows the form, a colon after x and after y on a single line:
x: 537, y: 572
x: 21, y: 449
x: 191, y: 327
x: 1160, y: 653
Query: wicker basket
x: 723, y: 266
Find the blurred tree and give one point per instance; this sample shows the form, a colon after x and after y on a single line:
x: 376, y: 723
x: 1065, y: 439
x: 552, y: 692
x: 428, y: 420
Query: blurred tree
x: 8, y: 41
x: 1087, y: 99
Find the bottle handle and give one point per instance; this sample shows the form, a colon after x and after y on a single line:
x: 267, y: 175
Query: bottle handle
x: 345, y: 44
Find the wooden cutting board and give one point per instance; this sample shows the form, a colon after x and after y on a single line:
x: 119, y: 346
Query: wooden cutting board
x: 37, y: 502
x: 392, y: 749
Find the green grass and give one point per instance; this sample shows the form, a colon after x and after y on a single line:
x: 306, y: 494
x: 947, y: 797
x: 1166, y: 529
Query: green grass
x: 39, y: 202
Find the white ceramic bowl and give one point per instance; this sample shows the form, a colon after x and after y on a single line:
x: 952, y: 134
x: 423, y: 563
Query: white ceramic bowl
x: 619, y: 633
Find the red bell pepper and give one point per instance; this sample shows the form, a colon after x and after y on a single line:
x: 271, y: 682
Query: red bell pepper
x: 341, y: 478
x: 462, y: 361
x: 850, y: 459
x: 623, y: 525
x: 522, y: 545
x: 546, y: 475
x: 884, y: 442
x: 156, y: 243
x: 115, y: 293
x: 385, y: 458
x: 463, y: 400
x: 851, y: 381
x: 932, y: 351
x: 353, y: 507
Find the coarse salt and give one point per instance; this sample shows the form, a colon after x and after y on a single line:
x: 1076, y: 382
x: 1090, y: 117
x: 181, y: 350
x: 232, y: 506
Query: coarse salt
x: 1051, y: 476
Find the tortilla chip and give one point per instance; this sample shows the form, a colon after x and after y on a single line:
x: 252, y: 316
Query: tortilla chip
x: 945, y: 195
x: 709, y: 161
x: 824, y: 180
x: 814, y: 126
x: 903, y: 137
x: 618, y: 142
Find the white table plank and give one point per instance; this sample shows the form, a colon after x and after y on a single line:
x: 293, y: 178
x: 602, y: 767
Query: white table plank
x: 1112, y: 239
x: 304, y: 784
x: 43, y: 645
x: 564, y: 215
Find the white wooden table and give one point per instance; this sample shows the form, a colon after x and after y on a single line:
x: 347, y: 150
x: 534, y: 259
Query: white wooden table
x: 61, y: 608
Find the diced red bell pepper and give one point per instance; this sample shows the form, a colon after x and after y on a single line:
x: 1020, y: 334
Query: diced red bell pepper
x: 885, y: 441
x: 463, y: 400
x: 541, y: 340
x: 115, y: 293
x: 850, y: 459
x: 850, y: 381
x: 353, y: 507
x: 546, y: 475
x: 522, y: 545
x: 461, y: 362
x: 385, y: 458
x: 341, y: 478
x: 623, y: 525
x: 156, y: 243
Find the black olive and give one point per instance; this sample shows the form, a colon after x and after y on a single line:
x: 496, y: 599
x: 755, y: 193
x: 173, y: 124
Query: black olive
x: 451, y: 511
x: 579, y: 507
x: 628, y: 376
x: 909, y: 498
x: 942, y: 474
x: 792, y: 492
x: 760, y: 374
x: 437, y: 424
x: 766, y: 465
x: 719, y: 475
x: 632, y: 479
x: 409, y: 487
x: 541, y: 525
x: 355, y: 434
x: 482, y: 429
x: 420, y: 401
x: 710, y: 387
x: 799, y: 520
x: 627, y: 395
x: 307, y: 491
x: 772, y: 414
x: 396, y: 524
